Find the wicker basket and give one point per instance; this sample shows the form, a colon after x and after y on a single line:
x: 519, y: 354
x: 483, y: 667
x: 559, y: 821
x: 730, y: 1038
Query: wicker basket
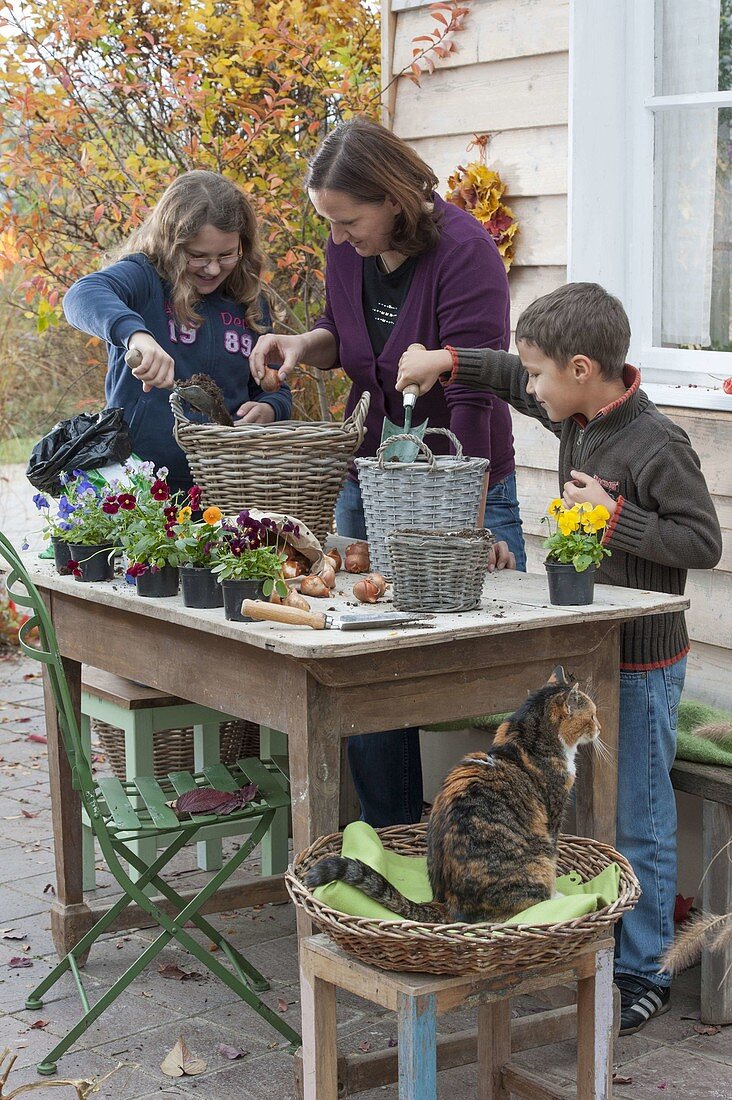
x: 173, y: 748
x: 460, y: 948
x: 438, y: 570
x: 443, y: 491
x: 294, y: 467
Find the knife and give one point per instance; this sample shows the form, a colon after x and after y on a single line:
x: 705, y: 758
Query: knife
x: 318, y: 620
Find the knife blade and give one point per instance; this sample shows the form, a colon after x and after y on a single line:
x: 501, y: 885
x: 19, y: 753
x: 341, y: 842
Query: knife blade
x: 319, y: 620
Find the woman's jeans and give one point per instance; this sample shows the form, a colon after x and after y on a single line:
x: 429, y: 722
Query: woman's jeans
x: 646, y: 822
x: 387, y: 767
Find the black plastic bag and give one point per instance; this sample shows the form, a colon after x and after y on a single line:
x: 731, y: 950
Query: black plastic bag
x: 81, y: 443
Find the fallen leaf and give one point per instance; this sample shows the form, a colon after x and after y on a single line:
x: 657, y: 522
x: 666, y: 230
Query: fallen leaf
x: 49, y: 888
x: 231, y: 1052
x: 39, y: 1025
x: 18, y: 962
x: 707, y: 1029
x: 207, y: 800
x: 281, y: 1004
x: 28, y: 813
x: 392, y: 1042
x: 365, y: 1046
x: 11, y: 934
x: 663, y: 1085
x: 180, y: 1062
x: 38, y: 738
x: 618, y: 1079
x: 177, y: 974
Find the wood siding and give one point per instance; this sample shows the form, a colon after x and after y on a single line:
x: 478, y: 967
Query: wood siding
x: 510, y: 79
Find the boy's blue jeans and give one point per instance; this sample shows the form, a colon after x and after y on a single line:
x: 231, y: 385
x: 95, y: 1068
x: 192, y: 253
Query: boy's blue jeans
x: 646, y: 822
x: 387, y: 767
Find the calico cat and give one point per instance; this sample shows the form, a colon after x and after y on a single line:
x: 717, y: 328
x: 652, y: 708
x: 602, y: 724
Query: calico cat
x: 493, y: 831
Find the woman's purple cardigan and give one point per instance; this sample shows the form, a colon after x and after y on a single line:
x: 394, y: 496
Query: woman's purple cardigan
x: 458, y: 296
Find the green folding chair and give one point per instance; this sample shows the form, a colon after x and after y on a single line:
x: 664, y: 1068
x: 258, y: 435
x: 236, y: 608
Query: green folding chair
x: 138, y: 810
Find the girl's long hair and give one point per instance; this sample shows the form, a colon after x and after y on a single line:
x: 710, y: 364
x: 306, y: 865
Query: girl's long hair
x: 368, y: 163
x: 193, y: 200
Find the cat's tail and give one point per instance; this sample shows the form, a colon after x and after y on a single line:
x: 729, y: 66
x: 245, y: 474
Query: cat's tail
x: 374, y: 885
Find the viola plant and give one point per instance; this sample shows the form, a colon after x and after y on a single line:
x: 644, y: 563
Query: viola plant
x: 197, y: 541
x: 85, y: 515
x: 577, y: 535
x: 149, y: 527
x: 253, y: 549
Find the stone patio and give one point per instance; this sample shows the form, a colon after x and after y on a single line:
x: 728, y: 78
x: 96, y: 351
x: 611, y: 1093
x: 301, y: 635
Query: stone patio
x: 673, y: 1056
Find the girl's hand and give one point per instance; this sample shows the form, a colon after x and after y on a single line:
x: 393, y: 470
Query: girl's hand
x: 500, y: 557
x: 422, y: 368
x: 583, y: 487
x: 255, y: 412
x: 152, y: 365
x: 287, y: 351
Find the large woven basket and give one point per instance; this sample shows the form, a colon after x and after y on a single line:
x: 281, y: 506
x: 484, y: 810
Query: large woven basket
x: 444, y: 491
x: 293, y: 466
x: 173, y: 748
x: 461, y: 948
x: 438, y: 570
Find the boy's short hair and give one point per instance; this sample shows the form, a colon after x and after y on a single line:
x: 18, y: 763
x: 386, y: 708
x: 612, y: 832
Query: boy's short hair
x: 578, y: 319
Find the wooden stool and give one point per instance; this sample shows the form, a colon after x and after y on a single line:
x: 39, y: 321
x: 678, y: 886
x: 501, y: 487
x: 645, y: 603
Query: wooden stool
x: 418, y: 999
x: 143, y: 711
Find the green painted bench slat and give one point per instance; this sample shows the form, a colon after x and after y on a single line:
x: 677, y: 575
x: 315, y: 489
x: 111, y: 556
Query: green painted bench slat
x: 123, y: 815
x: 220, y: 778
x: 270, y: 787
x: 182, y: 781
x: 155, y: 798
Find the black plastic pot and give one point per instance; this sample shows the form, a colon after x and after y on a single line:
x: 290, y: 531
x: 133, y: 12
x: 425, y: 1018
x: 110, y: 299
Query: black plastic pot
x: 164, y: 582
x: 96, y: 563
x: 567, y: 587
x: 235, y: 592
x: 200, y: 587
x: 61, y: 555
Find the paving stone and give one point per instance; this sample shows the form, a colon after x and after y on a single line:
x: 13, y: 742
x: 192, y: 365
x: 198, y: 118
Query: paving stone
x: 254, y: 1079
x: 17, y: 905
x: 74, y: 1065
x: 676, y: 1072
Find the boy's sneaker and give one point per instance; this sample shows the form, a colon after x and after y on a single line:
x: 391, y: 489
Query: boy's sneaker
x: 640, y: 1001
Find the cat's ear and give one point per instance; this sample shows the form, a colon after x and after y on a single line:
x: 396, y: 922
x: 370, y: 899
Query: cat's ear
x: 559, y: 677
x: 574, y: 700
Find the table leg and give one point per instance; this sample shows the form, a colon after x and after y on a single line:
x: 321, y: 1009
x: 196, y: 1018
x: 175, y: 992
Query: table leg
x: 70, y: 915
x: 597, y: 778
x: 319, y: 1050
x: 494, y: 1048
x: 417, y: 1024
x: 595, y: 1031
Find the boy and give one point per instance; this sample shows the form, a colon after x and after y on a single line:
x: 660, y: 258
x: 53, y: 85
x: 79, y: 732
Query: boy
x: 618, y: 450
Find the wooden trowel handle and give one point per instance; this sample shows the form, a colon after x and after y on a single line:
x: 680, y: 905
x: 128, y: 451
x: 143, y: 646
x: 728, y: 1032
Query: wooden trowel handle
x: 133, y: 358
x: 279, y: 613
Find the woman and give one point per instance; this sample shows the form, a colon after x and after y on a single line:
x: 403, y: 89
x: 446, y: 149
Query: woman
x: 403, y: 266
x: 187, y: 293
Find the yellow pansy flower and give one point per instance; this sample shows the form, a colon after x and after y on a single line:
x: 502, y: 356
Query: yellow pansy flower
x: 184, y: 515
x: 556, y: 507
x: 596, y: 519
x: 568, y: 522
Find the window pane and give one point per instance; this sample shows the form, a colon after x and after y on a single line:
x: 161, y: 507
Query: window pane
x: 693, y: 230
x: 693, y: 46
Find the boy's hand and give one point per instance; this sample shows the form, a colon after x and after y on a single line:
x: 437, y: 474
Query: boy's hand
x: 422, y: 368
x: 500, y: 557
x: 583, y: 487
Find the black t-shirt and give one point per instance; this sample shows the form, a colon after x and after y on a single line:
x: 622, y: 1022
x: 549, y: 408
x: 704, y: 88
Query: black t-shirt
x: 383, y: 297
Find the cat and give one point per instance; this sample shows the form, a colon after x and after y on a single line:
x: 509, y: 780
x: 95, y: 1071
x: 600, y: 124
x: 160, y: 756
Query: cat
x: 494, y: 827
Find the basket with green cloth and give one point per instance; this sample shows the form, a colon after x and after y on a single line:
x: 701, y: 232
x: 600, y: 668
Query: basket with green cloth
x: 597, y: 886
x: 701, y: 734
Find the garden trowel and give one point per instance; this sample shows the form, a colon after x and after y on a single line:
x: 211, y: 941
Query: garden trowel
x: 318, y: 620
x: 205, y: 397
x: 404, y: 450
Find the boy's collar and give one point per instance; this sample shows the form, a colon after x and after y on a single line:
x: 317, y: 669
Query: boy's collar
x: 632, y: 379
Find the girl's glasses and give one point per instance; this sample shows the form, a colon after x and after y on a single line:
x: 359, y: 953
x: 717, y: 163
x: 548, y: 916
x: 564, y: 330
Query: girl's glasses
x: 197, y: 263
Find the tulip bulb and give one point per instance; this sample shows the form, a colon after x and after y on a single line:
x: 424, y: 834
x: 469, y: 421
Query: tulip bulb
x: 294, y: 599
x: 366, y: 591
x: 271, y: 381
x: 328, y: 575
x: 379, y: 580
x: 291, y: 569
x: 335, y: 559
x: 314, y: 586
x: 357, y: 557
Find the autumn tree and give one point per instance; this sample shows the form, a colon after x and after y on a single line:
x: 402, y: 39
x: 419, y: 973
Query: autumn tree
x: 104, y: 103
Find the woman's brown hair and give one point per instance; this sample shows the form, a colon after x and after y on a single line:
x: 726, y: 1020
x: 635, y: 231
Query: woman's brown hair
x: 191, y: 201
x: 368, y: 163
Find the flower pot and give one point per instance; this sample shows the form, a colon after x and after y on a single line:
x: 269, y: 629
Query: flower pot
x: 96, y: 563
x: 567, y: 587
x: 163, y: 582
x: 235, y: 592
x: 61, y: 555
x: 200, y: 587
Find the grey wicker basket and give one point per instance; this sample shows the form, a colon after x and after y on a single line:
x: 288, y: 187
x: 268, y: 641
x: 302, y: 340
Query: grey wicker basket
x: 441, y: 491
x: 438, y: 570
x: 292, y: 466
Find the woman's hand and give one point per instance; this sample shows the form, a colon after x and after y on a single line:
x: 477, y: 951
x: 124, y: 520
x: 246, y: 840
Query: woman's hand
x: 286, y: 351
x: 255, y: 412
x: 152, y: 365
x: 422, y: 368
x: 500, y: 557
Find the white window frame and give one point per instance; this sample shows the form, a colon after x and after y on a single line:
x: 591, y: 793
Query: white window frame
x: 612, y: 108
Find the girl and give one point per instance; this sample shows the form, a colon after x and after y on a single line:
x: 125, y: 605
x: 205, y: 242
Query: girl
x: 187, y: 293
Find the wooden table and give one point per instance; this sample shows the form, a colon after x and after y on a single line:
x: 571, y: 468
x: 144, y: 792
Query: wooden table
x: 319, y: 687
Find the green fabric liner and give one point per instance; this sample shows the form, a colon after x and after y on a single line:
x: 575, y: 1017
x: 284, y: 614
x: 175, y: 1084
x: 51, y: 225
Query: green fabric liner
x: 689, y: 747
x: 409, y: 875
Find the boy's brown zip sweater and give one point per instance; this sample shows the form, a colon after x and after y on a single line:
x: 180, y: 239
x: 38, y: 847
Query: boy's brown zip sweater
x: 665, y: 522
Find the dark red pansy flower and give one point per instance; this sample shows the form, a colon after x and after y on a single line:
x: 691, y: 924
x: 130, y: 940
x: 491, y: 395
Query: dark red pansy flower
x: 136, y: 569
x: 194, y: 497
x: 126, y: 501
x: 110, y: 506
x: 74, y: 567
x: 171, y: 512
x: 159, y: 490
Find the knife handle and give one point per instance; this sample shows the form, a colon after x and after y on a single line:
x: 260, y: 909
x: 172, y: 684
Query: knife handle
x: 279, y: 613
